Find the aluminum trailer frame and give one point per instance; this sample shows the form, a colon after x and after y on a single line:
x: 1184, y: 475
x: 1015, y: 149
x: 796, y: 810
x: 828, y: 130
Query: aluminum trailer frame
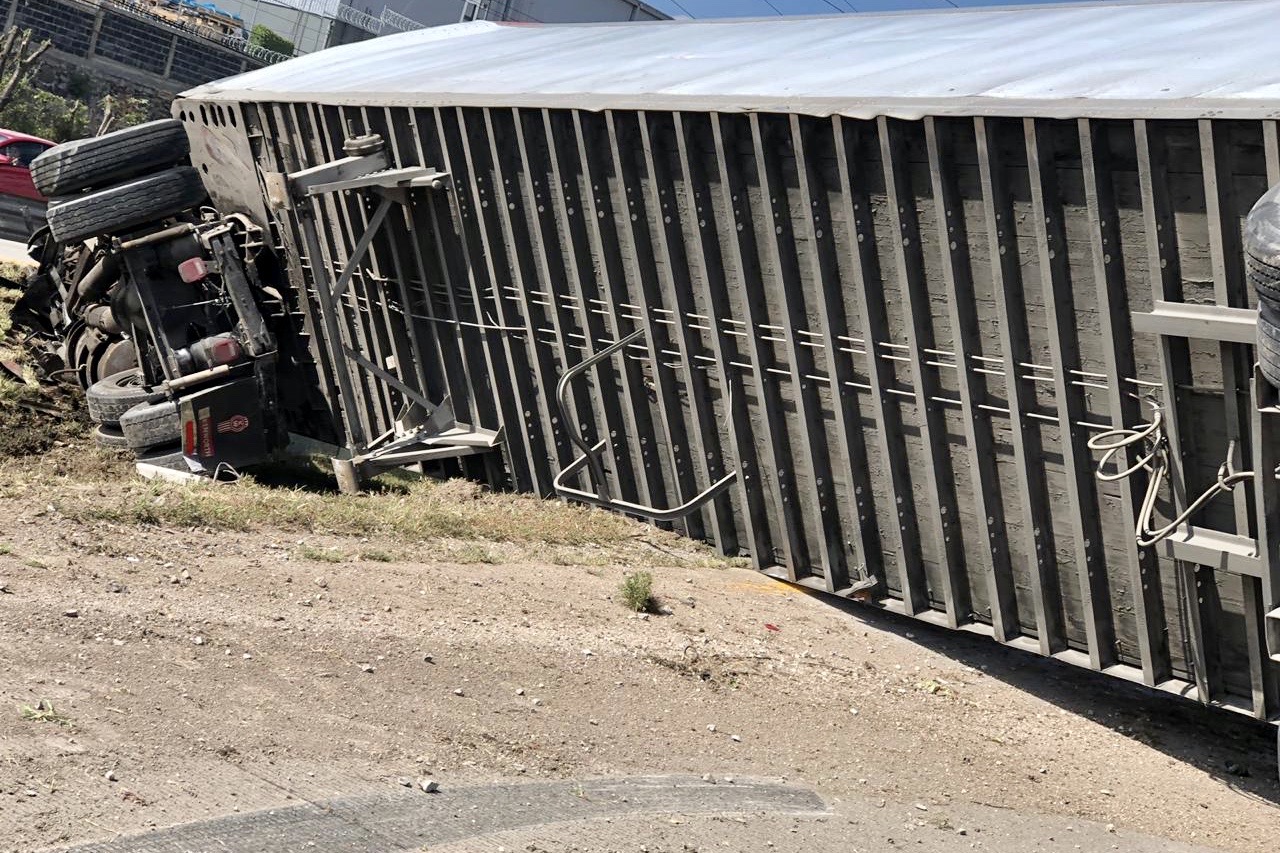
x: 868, y: 353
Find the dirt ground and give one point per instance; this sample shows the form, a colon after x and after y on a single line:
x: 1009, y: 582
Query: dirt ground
x: 199, y: 668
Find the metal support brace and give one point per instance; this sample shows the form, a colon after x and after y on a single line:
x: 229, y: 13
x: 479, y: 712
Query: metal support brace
x: 592, y: 455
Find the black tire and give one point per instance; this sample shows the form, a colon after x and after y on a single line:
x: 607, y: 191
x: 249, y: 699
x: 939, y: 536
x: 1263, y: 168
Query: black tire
x: 168, y: 456
x: 109, y: 437
x: 126, y: 206
x: 109, y: 399
x: 151, y: 425
x: 1268, y: 351
x: 101, y: 161
x: 1262, y: 247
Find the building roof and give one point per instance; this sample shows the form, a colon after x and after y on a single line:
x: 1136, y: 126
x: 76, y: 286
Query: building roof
x: 1169, y: 58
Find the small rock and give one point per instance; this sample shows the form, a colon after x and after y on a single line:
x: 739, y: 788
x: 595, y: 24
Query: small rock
x: 537, y: 703
x: 519, y: 691
x: 29, y: 792
x: 429, y: 786
x: 706, y: 777
x: 322, y: 583
x: 735, y: 738
x: 199, y: 641
x: 587, y: 652
x: 428, y: 659
x: 922, y: 807
x: 1111, y: 827
x: 1106, y: 792
x: 386, y: 608
x: 116, y: 587
x: 247, y: 656
x: 962, y: 831
x: 853, y: 711
x: 405, y: 781
x: 458, y: 692
x: 728, y: 779
x: 711, y: 727
x: 110, y: 776
x: 4, y: 587
x: 186, y: 575
x: 72, y: 613
x: 593, y: 722
x: 174, y: 579
x: 364, y: 667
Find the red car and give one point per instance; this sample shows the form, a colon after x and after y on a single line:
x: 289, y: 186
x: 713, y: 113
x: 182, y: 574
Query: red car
x: 17, y: 150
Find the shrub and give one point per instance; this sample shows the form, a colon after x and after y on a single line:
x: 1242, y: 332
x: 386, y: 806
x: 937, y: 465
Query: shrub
x: 637, y: 591
x: 267, y: 38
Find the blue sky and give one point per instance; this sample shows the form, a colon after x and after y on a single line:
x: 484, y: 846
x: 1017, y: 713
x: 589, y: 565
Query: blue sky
x: 746, y: 8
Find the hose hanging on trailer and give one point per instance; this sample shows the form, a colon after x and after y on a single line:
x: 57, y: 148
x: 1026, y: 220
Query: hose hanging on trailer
x: 1155, y: 461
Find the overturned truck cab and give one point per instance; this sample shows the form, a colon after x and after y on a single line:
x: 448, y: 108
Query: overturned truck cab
x: 963, y: 333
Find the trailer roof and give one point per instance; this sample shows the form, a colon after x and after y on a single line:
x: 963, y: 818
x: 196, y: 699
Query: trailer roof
x: 1165, y: 59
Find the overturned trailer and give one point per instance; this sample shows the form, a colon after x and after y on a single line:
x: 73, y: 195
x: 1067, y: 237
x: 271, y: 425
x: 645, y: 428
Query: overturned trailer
x: 946, y: 311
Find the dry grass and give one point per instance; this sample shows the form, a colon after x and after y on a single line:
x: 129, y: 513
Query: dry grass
x: 46, y: 458
x: 93, y: 486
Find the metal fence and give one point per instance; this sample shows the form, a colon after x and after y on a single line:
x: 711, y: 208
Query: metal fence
x: 872, y: 354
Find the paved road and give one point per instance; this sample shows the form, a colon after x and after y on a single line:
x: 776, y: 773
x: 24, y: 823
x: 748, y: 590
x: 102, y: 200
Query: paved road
x: 659, y: 813
x: 14, y: 252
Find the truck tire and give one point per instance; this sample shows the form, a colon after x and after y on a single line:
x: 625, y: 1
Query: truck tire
x: 110, y: 398
x: 101, y: 161
x: 109, y: 437
x: 1262, y: 247
x: 125, y: 206
x: 151, y: 424
x: 1268, y: 353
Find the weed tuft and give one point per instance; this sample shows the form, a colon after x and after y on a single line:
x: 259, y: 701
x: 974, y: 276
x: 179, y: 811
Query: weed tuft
x: 637, y: 591
x: 321, y: 555
x: 44, y: 712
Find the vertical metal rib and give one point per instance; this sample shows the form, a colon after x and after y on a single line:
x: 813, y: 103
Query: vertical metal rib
x: 869, y: 293
x: 638, y: 247
x: 456, y: 341
x: 320, y: 264
x: 850, y: 450
x: 933, y: 429
x: 638, y: 430
x: 1059, y: 302
x: 541, y: 233
x: 953, y: 245
x: 1166, y: 284
x: 705, y: 255
x: 810, y: 453
x: 741, y: 246
x: 677, y: 294
x: 520, y: 421
x: 570, y: 244
x: 554, y: 442
x: 391, y: 351
x: 1263, y: 634
x: 1117, y: 334
x: 1227, y: 255
x: 283, y: 134
x: 339, y: 231
x: 407, y: 344
x: 1006, y: 272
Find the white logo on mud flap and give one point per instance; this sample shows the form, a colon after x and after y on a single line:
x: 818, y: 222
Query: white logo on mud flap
x: 205, y: 420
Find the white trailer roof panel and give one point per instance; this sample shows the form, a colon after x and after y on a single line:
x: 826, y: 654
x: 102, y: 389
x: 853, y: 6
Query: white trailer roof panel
x: 1167, y: 59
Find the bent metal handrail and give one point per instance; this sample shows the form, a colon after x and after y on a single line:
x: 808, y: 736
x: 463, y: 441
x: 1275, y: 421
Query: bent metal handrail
x: 591, y: 454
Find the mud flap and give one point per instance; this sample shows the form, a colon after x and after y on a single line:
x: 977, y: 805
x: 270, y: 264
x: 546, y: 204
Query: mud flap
x: 224, y: 425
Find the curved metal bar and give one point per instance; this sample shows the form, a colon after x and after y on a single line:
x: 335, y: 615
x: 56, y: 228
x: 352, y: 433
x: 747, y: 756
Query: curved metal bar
x: 673, y: 514
x: 591, y: 457
x: 591, y: 454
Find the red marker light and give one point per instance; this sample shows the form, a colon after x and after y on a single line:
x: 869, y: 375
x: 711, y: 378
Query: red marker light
x: 192, y: 270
